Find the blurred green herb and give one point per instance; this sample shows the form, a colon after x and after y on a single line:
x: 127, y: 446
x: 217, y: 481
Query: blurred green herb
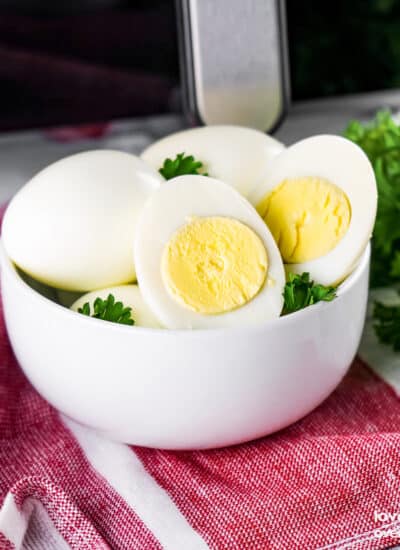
x: 109, y: 310
x: 380, y: 140
x: 387, y: 324
x: 181, y: 166
x: 300, y: 292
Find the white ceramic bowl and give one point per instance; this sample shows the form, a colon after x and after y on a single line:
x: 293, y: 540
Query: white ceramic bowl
x: 181, y: 389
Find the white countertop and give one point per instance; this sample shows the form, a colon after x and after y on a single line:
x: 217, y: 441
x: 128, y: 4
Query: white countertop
x: 22, y: 154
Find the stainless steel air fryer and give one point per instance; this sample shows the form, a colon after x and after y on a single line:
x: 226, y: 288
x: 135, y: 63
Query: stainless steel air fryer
x: 234, y: 61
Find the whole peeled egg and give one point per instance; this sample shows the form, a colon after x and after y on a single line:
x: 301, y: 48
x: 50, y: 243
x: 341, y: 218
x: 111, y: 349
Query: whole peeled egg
x: 236, y: 155
x: 72, y: 225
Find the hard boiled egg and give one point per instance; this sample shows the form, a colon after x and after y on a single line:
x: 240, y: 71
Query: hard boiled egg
x: 236, y: 155
x: 72, y: 226
x: 130, y: 296
x: 205, y: 258
x: 319, y: 200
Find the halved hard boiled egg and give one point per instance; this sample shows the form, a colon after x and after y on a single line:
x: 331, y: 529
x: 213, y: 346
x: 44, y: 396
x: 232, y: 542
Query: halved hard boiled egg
x: 236, y: 155
x: 130, y: 296
x: 72, y: 225
x: 319, y: 200
x: 204, y: 257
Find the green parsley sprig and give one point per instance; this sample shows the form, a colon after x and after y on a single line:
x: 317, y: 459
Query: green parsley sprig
x: 181, y: 166
x: 109, y: 310
x: 300, y: 292
x: 380, y: 140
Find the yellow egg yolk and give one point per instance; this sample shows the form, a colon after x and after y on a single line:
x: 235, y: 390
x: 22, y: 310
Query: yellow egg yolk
x: 307, y: 216
x: 214, y: 265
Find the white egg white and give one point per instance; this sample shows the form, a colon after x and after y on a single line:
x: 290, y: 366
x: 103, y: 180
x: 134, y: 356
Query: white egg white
x: 169, y: 208
x: 130, y: 296
x: 72, y: 225
x: 236, y: 155
x: 344, y: 164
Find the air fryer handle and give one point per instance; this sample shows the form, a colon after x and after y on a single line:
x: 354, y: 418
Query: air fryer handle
x: 234, y: 61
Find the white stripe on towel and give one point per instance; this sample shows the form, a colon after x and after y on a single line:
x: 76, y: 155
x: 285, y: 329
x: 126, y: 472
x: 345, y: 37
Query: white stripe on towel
x: 13, y: 522
x: 30, y: 528
x: 122, y: 469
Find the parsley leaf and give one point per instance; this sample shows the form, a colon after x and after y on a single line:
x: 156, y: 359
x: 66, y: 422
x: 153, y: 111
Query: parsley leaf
x: 300, y: 292
x: 387, y: 324
x: 109, y: 310
x: 181, y: 166
x: 380, y: 140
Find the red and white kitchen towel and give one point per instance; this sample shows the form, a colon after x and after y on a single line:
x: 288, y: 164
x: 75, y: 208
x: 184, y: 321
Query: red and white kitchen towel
x: 330, y: 481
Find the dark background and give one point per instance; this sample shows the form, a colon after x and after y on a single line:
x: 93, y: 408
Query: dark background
x: 65, y: 62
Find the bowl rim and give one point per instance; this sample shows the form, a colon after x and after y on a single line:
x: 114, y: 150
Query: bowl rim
x: 297, y: 316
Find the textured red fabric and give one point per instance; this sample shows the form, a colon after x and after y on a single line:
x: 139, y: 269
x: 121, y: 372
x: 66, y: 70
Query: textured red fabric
x: 311, y: 485
x: 5, y: 544
x: 316, y: 484
x: 39, y: 458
